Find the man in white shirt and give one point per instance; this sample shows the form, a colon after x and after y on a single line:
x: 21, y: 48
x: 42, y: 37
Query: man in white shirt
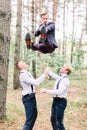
x: 28, y: 84
x: 59, y: 94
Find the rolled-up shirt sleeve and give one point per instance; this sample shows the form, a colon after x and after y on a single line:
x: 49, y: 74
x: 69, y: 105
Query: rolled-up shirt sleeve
x: 53, y: 75
x: 29, y: 80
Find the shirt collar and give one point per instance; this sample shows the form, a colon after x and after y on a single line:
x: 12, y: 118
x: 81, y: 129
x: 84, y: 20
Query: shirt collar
x: 24, y: 70
x: 63, y: 75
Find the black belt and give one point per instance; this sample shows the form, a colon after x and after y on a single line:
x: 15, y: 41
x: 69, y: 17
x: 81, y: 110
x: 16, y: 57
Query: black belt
x: 31, y: 95
x: 59, y: 98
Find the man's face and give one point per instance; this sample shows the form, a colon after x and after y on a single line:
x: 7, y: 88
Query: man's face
x: 44, y: 19
x: 22, y: 65
x: 63, y: 70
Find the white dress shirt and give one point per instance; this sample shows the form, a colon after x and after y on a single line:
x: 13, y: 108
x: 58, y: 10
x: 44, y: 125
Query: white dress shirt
x: 63, y: 85
x: 26, y: 80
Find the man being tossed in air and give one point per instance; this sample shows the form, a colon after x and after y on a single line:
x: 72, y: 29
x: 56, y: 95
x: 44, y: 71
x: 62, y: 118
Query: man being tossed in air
x: 46, y: 30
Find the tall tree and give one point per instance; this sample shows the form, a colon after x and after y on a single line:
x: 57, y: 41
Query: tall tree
x: 16, y: 83
x: 86, y: 16
x: 33, y: 22
x: 73, y: 24
x: 63, y: 50
x: 5, y: 16
x: 55, y: 5
x: 54, y: 15
x: 28, y: 15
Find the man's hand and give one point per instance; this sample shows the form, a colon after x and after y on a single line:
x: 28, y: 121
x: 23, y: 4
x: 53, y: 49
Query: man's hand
x: 41, y: 22
x: 40, y: 27
x: 47, y: 70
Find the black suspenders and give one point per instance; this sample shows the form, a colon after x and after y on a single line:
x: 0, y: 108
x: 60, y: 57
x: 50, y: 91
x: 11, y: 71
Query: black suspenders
x: 31, y: 84
x: 59, y: 82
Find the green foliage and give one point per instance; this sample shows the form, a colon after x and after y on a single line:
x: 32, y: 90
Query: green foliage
x: 52, y: 60
x: 78, y: 62
x: 3, y: 117
x: 76, y: 104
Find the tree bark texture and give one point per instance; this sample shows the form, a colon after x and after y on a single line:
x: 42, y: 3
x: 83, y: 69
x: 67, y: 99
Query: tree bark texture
x: 5, y: 16
x: 16, y: 83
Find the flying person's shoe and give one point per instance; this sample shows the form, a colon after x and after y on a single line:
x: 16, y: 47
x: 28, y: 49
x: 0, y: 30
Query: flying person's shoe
x: 28, y: 40
x: 43, y: 34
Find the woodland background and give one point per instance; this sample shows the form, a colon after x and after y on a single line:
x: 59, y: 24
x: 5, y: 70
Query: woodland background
x: 17, y: 17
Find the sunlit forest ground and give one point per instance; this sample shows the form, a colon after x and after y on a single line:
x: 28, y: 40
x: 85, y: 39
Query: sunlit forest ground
x: 75, y: 114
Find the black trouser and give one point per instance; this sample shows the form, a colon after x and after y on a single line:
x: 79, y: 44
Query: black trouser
x: 45, y: 47
x: 30, y: 105
x: 57, y: 113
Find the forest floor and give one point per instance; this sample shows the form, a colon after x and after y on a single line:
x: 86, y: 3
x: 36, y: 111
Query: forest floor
x: 75, y: 114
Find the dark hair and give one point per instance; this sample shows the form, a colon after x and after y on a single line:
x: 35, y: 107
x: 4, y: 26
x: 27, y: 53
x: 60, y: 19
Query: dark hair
x: 68, y: 71
x: 16, y: 64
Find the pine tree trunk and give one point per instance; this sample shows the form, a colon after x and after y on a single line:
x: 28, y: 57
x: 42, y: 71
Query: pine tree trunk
x: 63, y: 49
x: 72, y: 45
x: 55, y: 7
x: 16, y: 83
x: 86, y: 16
x: 5, y: 16
x: 33, y: 21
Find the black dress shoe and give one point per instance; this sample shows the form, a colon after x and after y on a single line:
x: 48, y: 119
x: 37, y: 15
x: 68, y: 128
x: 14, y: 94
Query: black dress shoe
x: 28, y: 39
x: 43, y: 34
